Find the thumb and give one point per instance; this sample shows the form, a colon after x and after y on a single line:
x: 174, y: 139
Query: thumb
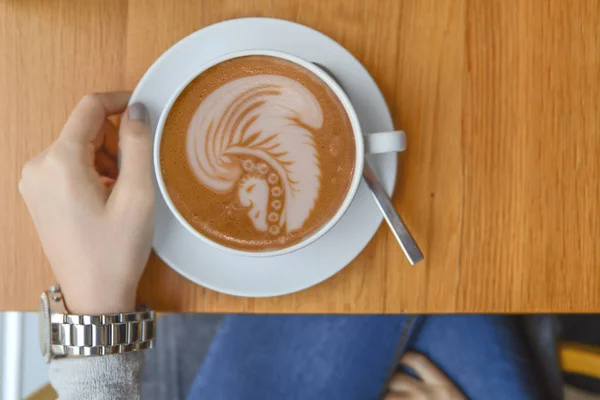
x: 135, y: 145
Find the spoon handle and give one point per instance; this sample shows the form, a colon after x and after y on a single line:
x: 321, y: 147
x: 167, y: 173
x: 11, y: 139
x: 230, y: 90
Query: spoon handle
x: 408, y: 244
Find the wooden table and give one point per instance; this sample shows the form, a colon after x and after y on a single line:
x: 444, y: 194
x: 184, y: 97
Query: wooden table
x: 500, y: 183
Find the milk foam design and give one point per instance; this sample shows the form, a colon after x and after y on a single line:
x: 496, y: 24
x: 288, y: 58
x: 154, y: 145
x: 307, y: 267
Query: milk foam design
x: 254, y: 135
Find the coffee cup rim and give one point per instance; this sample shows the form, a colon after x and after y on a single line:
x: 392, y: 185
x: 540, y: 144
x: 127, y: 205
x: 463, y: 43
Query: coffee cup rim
x: 356, y: 130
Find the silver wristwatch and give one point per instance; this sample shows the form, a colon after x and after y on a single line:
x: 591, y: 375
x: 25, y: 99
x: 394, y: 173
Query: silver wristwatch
x: 65, y: 335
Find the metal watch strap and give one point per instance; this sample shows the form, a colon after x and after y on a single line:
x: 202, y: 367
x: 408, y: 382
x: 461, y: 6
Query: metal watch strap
x: 83, y: 335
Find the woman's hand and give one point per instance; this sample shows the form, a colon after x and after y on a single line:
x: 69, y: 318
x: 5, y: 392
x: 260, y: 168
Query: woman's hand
x: 94, y: 221
x: 432, y: 385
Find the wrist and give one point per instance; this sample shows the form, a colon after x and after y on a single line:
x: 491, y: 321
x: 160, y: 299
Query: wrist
x: 99, y: 302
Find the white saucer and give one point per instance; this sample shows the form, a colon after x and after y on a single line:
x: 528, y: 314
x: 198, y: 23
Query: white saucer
x: 262, y: 277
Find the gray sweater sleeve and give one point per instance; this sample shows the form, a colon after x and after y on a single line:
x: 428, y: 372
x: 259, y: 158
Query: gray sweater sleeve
x: 115, y: 376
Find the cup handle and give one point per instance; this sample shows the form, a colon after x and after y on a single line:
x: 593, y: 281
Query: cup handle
x: 385, y: 142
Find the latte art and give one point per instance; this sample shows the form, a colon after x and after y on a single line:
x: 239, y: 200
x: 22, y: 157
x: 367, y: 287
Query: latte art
x: 257, y: 153
x: 256, y: 133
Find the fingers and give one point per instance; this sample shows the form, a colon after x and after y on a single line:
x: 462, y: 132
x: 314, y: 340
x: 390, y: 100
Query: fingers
x: 110, y: 143
x: 135, y: 144
x: 87, y: 119
x: 400, y: 396
x: 405, y: 383
x: 433, y: 384
x: 105, y: 165
x: 105, y: 158
x: 424, y: 368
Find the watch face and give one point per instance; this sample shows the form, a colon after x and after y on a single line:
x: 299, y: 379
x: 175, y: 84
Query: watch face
x: 45, y: 328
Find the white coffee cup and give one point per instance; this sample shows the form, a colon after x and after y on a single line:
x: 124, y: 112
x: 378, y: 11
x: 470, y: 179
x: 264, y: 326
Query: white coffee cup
x: 371, y: 143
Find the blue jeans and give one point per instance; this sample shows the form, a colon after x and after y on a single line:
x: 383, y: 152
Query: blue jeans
x: 353, y: 357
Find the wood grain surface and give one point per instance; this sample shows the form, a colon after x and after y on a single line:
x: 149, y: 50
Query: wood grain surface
x: 500, y: 184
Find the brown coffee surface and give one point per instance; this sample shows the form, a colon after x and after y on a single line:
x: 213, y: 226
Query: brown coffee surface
x: 231, y: 215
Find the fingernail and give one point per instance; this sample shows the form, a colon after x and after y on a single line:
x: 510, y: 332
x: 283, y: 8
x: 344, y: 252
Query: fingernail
x: 138, y: 112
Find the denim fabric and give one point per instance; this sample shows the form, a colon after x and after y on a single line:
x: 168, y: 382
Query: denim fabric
x: 351, y: 357
x: 484, y: 355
